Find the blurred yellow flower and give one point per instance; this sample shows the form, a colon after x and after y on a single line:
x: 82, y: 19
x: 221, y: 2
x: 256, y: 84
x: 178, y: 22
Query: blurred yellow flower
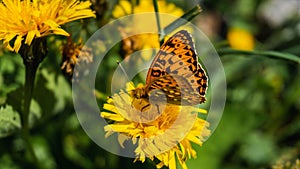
x: 29, y: 19
x: 160, y: 132
x: 145, y: 41
x: 240, y: 39
x: 125, y: 8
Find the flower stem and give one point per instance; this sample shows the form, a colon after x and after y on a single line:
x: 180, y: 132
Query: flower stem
x: 160, y: 31
x: 30, y: 72
x: 184, y: 19
x: 32, y: 56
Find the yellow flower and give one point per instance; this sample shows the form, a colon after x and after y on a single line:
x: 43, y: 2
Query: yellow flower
x: 163, y: 132
x: 125, y: 8
x: 29, y: 19
x: 145, y: 41
x: 240, y: 39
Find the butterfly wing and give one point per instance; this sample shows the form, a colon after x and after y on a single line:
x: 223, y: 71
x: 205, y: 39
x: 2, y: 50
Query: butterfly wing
x: 173, y: 89
x: 177, y: 56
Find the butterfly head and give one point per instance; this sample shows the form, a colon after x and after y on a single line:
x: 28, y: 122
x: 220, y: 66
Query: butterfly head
x: 139, y: 92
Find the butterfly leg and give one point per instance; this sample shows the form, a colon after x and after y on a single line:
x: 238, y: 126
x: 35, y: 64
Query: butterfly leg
x: 157, y: 108
x: 144, y: 108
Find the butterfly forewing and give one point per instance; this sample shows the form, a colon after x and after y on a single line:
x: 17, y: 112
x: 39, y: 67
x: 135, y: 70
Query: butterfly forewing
x: 178, y: 58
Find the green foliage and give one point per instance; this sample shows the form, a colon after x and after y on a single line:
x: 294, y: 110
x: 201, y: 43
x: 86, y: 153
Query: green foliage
x: 59, y: 88
x: 260, y: 124
x: 9, y: 121
x: 12, y: 74
x: 271, y: 54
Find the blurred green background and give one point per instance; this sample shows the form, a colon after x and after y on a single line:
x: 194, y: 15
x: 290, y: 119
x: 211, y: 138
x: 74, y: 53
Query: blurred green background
x: 260, y: 127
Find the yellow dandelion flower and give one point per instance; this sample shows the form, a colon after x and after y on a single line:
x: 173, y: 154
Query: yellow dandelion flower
x: 28, y: 19
x: 160, y: 132
x: 145, y: 41
x: 240, y: 39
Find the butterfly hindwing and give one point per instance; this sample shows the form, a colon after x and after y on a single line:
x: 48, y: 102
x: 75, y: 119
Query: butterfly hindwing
x: 177, y: 91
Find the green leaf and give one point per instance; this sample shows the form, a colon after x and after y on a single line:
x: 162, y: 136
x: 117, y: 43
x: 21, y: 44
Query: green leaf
x: 11, y: 74
x: 35, y: 112
x: 9, y: 121
x: 259, y: 148
x: 15, y: 100
x: 7, y: 162
x: 271, y: 54
x: 60, y: 88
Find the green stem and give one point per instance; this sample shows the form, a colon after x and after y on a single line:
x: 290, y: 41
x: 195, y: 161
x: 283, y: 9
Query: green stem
x: 161, y: 34
x: 32, y: 56
x: 184, y: 19
x: 133, y: 4
x: 30, y: 72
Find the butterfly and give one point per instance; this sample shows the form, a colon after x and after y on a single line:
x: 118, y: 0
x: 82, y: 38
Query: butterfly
x: 175, y: 76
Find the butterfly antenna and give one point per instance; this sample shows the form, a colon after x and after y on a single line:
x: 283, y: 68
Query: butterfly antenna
x: 123, y: 70
x: 125, y: 74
